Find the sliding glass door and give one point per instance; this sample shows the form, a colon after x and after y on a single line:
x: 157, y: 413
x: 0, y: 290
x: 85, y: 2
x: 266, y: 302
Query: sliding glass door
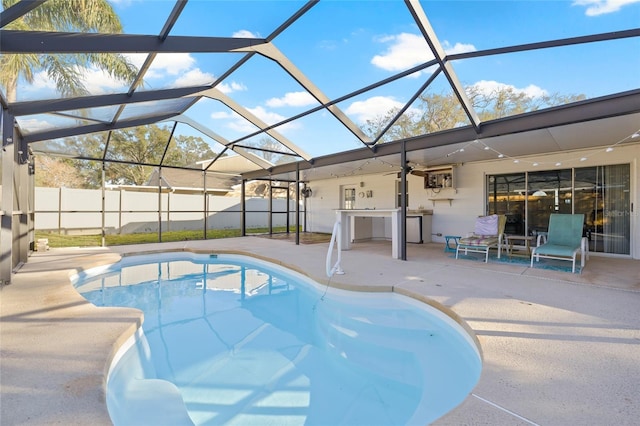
x: 601, y: 193
x: 507, y: 196
x: 548, y: 192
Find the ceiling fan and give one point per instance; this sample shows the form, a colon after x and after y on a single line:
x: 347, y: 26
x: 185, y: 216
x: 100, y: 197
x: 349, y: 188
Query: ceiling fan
x: 414, y: 169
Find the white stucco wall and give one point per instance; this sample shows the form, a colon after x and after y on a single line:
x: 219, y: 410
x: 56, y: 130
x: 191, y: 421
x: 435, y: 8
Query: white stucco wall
x: 469, y: 196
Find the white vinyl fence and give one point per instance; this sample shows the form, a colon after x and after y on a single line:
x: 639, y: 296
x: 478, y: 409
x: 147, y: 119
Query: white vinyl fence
x: 79, y: 211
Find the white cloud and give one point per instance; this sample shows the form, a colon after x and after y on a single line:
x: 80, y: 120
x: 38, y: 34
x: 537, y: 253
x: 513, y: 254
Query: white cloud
x: 408, y: 50
x: 41, y: 81
x: 244, y: 34
x: 601, y: 7
x: 488, y: 87
x: 164, y: 64
x: 457, y: 48
x: 273, y: 118
x: 35, y: 125
x: 194, y: 77
x: 296, y: 99
x: 172, y: 63
x: 241, y: 126
x: 234, y: 121
x: 167, y: 70
x: 182, y: 65
x: 373, y: 107
x: 237, y: 123
x: 231, y: 87
x: 266, y: 116
x: 95, y: 80
x: 221, y: 115
x: 136, y: 59
x: 99, y: 82
x: 327, y: 45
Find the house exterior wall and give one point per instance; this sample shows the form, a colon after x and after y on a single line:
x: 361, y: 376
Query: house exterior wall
x: 468, y: 199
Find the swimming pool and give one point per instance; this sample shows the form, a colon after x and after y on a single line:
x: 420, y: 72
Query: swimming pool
x: 230, y: 339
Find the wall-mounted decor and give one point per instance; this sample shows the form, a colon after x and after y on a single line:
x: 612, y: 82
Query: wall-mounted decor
x: 440, y: 178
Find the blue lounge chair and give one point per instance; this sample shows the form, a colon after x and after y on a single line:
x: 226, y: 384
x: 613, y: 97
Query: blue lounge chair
x: 488, y: 234
x: 564, y: 240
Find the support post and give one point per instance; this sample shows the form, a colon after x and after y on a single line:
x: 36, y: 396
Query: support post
x: 60, y: 211
x: 243, y: 209
x: 6, y: 219
x: 104, y: 206
x: 297, y: 204
x: 270, y: 221
x: 22, y: 194
x: 205, y: 203
x: 159, y: 204
x: 168, y: 210
x: 31, y: 194
x: 403, y: 201
x: 119, y: 211
x: 288, y: 198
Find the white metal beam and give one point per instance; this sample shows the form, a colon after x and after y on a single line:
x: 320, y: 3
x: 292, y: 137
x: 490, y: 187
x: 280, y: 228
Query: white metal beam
x: 434, y: 43
x: 213, y: 135
x: 214, y: 93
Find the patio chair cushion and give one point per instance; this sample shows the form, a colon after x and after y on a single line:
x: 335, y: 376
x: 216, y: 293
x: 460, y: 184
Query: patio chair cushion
x: 487, y: 235
x: 479, y: 240
x: 486, y: 225
x: 556, y: 250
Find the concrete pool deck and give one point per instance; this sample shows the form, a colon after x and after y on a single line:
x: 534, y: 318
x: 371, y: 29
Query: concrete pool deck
x: 558, y: 348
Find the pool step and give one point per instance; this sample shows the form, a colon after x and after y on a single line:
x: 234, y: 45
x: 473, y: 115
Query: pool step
x: 150, y: 402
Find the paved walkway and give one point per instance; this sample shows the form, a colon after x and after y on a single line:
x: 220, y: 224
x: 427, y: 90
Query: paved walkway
x: 558, y: 348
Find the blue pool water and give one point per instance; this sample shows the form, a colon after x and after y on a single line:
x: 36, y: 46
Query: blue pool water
x: 232, y: 340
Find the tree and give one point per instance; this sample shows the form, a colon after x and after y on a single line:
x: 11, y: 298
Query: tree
x: 436, y: 112
x: 64, y: 70
x: 146, y: 145
x: 398, y: 130
x: 56, y: 173
x: 268, y: 149
x: 439, y: 112
x: 507, y: 101
x: 187, y: 150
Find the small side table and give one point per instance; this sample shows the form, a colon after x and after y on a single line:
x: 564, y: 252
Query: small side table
x: 524, y: 238
x: 455, y: 240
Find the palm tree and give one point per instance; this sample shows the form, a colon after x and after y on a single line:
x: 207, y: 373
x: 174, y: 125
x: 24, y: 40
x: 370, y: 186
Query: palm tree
x: 64, y: 70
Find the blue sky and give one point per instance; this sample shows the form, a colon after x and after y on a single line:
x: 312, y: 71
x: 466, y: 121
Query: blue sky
x: 345, y: 45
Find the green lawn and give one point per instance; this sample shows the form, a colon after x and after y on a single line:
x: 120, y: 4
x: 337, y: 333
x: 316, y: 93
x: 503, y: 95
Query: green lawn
x: 59, y: 240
